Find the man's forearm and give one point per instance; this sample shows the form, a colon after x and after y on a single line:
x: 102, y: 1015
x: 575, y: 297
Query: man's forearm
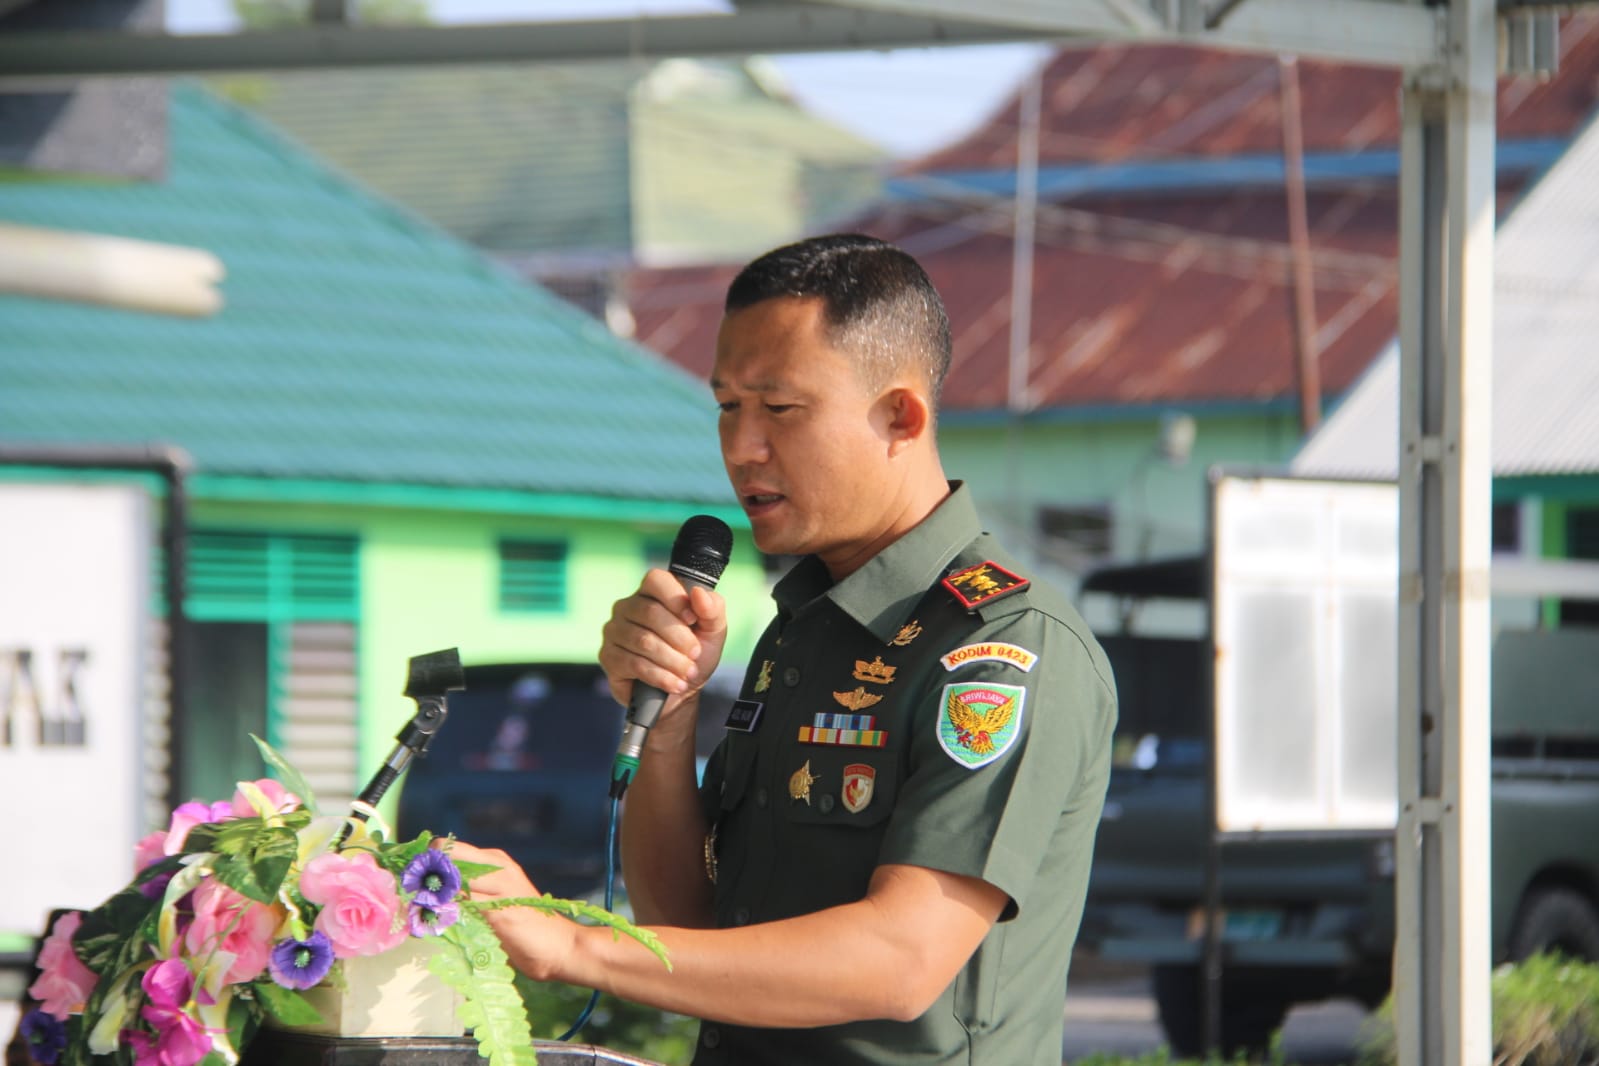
x: 663, y: 833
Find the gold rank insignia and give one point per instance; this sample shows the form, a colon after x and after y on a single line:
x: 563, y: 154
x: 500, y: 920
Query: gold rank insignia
x: 907, y: 633
x: 763, y: 680
x: 874, y: 671
x: 800, y: 782
x: 858, y: 700
x: 986, y: 581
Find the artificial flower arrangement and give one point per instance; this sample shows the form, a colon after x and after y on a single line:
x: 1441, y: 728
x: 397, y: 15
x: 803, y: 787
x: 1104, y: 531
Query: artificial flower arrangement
x: 238, y: 908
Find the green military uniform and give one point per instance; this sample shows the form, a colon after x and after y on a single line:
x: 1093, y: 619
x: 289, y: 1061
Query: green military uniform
x: 935, y: 709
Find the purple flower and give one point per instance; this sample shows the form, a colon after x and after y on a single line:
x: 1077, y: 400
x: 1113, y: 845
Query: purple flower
x: 299, y: 964
x: 156, y: 887
x: 432, y: 877
x: 44, y: 1035
x: 432, y: 921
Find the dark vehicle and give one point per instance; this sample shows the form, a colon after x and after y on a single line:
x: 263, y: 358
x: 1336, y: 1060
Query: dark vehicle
x: 1306, y: 919
x: 523, y: 763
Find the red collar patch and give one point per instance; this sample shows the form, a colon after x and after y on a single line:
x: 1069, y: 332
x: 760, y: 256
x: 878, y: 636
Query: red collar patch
x: 981, y: 583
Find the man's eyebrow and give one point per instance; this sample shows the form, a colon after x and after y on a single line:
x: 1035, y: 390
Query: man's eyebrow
x: 759, y: 386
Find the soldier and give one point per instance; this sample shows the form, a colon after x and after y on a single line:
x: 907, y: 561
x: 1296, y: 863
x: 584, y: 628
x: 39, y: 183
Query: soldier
x: 887, y: 859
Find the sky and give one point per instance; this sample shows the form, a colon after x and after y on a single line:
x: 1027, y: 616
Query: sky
x: 910, y: 101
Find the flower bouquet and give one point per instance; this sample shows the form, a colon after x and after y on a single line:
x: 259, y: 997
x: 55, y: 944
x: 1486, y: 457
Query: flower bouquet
x: 240, y: 912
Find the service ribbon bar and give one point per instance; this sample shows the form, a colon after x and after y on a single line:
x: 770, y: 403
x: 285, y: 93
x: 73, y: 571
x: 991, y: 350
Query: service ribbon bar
x: 853, y: 738
x: 844, y: 721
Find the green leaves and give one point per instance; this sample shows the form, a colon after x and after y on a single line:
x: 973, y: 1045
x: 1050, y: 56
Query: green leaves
x: 291, y: 778
x: 288, y: 1007
x: 573, y: 908
x: 481, y: 973
x: 117, y: 933
x: 255, y: 864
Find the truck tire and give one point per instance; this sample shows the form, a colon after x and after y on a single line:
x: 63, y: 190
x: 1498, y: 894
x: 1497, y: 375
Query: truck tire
x: 1555, y: 919
x: 1252, y: 1005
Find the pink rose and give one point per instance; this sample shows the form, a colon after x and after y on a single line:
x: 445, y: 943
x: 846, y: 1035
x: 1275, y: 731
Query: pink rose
x: 224, y: 920
x: 283, y: 801
x: 362, y: 913
x: 64, y: 981
x: 189, y: 815
x: 150, y: 850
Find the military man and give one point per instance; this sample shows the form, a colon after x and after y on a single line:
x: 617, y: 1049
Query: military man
x: 887, y: 859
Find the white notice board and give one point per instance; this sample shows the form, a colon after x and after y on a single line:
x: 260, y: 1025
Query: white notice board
x: 74, y: 607
x: 1305, y: 622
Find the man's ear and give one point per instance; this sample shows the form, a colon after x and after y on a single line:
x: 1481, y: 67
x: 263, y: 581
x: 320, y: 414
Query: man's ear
x: 909, y: 418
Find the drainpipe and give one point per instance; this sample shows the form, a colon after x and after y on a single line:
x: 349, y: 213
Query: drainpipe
x: 173, y: 465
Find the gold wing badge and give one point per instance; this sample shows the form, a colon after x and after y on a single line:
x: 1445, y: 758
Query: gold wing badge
x: 981, y: 720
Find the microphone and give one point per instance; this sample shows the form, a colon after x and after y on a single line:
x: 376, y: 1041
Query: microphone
x: 699, y: 555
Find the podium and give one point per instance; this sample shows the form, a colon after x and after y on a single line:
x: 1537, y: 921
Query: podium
x: 272, y: 1047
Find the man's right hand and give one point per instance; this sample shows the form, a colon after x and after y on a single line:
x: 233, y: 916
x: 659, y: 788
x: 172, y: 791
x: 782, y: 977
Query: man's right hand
x: 664, y: 635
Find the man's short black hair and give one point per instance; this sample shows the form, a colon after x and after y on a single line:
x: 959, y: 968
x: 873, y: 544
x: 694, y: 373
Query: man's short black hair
x: 877, y: 302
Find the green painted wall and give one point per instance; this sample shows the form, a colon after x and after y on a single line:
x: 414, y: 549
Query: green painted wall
x: 1158, y: 508
x: 431, y: 581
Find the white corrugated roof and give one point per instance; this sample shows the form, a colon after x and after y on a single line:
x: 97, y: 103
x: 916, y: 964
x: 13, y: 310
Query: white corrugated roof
x: 1546, y: 334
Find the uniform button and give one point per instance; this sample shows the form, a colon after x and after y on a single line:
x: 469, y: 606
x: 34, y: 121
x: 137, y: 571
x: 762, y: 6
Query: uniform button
x: 761, y: 797
x: 741, y: 917
x: 825, y: 804
x: 711, y: 1037
x: 791, y: 676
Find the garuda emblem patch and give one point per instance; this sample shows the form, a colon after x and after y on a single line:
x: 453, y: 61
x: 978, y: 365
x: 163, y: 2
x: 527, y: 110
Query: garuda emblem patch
x: 979, y: 721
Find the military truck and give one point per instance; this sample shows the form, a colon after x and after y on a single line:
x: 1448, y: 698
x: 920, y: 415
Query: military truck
x: 1309, y: 916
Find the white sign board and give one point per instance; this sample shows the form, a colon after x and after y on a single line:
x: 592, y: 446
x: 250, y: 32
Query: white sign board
x: 74, y: 605
x: 1306, y: 630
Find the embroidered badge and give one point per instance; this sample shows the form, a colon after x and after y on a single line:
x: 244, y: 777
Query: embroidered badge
x: 745, y: 715
x: 800, y: 782
x: 990, y: 650
x: 980, y: 721
x: 763, y: 680
x: 859, y: 780
x: 849, y: 730
x: 983, y: 582
x: 875, y: 671
x: 907, y: 633
x: 858, y: 700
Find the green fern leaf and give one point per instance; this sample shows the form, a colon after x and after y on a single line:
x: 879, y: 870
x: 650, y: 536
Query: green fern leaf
x: 577, y: 909
x: 493, y: 1009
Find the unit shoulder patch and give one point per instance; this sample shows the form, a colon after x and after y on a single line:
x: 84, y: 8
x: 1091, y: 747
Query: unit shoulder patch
x: 979, y: 721
x: 990, y: 650
x: 979, y: 584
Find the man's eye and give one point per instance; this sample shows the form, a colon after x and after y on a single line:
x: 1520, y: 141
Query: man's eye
x: 779, y: 408
x: 727, y: 406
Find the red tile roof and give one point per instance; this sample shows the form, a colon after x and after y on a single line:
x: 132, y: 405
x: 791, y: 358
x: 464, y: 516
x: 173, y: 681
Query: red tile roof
x: 1160, y: 298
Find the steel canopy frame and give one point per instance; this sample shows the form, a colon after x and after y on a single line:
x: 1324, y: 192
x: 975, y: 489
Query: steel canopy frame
x: 1448, y: 52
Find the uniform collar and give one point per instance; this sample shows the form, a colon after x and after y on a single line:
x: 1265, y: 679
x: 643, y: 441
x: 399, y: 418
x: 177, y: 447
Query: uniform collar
x: 882, y: 593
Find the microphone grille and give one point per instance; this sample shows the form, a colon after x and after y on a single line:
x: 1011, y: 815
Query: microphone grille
x: 702, y: 548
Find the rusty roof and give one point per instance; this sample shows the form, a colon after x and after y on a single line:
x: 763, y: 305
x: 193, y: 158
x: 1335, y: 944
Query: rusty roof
x: 1169, y: 294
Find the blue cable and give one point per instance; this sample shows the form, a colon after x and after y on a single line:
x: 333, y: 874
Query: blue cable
x: 610, y: 896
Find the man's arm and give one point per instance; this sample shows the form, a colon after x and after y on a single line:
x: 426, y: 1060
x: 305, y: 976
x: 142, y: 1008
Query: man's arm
x: 889, y: 955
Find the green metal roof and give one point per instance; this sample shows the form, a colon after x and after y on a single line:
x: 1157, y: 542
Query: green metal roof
x: 356, y: 343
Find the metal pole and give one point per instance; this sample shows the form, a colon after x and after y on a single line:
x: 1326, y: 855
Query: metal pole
x: 1306, y: 365
x: 1442, y: 1008
x: 1021, y: 286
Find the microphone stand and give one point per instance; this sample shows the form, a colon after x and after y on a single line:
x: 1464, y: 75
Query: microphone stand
x: 428, y: 680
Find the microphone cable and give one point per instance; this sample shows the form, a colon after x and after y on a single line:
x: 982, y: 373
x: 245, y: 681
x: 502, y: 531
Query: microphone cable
x: 610, y: 898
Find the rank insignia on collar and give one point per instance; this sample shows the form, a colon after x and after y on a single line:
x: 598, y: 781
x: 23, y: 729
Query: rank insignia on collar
x: 858, y: 700
x: 986, y: 581
x: 907, y: 633
x: 874, y: 671
x: 763, y: 680
x: 858, y: 781
x: 800, y: 782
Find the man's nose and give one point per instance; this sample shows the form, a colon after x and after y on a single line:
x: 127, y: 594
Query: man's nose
x: 744, y: 441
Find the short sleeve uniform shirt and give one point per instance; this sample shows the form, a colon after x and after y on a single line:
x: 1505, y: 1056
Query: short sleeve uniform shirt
x: 938, y: 709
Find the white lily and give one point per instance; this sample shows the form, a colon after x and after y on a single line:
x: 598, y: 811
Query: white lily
x: 195, y: 869
x: 114, y: 1013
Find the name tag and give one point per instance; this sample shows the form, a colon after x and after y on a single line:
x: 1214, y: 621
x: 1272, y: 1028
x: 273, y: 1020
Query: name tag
x: 745, y: 715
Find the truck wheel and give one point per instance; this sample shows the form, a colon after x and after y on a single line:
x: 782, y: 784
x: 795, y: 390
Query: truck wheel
x: 1252, y: 1007
x: 1556, y: 919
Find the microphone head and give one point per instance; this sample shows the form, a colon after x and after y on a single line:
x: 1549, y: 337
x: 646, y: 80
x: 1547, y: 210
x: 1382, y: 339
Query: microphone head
x: 701, y: 550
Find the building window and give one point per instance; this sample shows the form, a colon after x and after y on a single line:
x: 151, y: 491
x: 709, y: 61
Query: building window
x: 1075, y: 537
x: 1507, y: 528
x: 1582, y: 542
x: 533, y: 575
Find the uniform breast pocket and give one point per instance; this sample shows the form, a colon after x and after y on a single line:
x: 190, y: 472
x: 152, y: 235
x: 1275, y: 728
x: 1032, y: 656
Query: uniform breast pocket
x: 842, y: 787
